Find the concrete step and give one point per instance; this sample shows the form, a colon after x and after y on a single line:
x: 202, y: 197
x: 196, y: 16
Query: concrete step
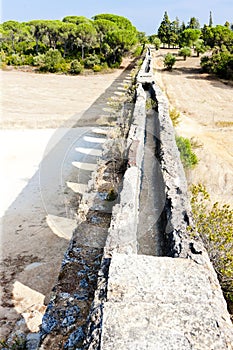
x: 164, y: 303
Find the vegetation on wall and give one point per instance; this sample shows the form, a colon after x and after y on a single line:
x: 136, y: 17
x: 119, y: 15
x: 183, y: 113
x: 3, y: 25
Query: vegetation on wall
x: 52, y: 45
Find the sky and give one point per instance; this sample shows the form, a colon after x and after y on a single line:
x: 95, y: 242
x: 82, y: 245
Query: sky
x: 146, y: 15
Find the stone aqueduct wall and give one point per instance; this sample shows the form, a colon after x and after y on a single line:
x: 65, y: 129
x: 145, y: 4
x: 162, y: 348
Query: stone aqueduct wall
x: 206, y: 324
x: 146, y: 302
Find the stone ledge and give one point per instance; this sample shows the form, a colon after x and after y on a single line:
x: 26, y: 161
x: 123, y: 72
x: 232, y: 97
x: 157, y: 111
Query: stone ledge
x: 164, y: 303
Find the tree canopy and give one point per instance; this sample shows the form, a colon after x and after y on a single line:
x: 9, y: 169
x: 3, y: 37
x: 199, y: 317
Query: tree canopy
x: 106, y: 36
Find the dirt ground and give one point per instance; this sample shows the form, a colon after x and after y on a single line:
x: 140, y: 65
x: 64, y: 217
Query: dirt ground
x: 37, y: 112
x: 205, y: 103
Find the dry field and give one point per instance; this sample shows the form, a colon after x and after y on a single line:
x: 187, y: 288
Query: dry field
x: 205, y: 104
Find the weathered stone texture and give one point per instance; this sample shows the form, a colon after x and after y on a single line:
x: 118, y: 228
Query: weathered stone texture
x: 164, y: 303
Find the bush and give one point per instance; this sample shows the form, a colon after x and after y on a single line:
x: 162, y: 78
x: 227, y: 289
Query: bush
x: 215, y: 226
x: 15, y: 60
x: 76, y: 67
x: 187, y: 156
x: 169, y: 61
x: 39, y: 59
x: 53, y: 62
x: 185, y: 52
x: 220, y: 63
x: 96, y: 68
x: 91, y: 60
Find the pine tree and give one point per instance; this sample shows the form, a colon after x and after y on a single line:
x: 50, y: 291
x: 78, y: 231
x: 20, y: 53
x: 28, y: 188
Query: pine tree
x: 210, y: 20
x: 164, y: 31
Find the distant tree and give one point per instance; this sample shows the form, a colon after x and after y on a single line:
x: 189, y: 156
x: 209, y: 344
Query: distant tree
x: 86, y: 36
x: 68, y: 33
x: 103, y: 26
x: 210, y: 20
x: 185, y: 52
x: 76, y: 19
x: 199, y: 47
x: 194, y: 23
x: 164, y: 30
x: 143, y: 40
x: 169, y: 61
x: 175, y: 30
x: 188, y: 37
x: 12, y: 31
x: 157, y: 43
x: 38, y: 30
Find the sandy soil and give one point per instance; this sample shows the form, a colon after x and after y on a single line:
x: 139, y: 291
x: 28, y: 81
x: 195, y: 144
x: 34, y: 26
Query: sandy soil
x: 38, y: 113
x: 204, y: 102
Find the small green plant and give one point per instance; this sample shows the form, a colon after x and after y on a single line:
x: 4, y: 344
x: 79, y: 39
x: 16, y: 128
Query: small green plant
x: 169, y: 61
x: 76, y: 67
x: 187, y: 156
x: 97, y: 68
x: 214, y: 223
x: 112, y: 195
x: 175, y: 116
x: 150, y: 104
x: 185, y: 52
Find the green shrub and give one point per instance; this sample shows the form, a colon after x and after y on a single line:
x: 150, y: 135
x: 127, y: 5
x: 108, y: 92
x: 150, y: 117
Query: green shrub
x: 220, y: 63
x: 185, y: 52
x: 15, y: 60
x: 187, y: 156
x: 38, y: 60
x: 169, y: 61
x: 96, y: 68
x: 53, y: 62
x: 91, y: 60
x: 76, y: 67
x: 215, y: 226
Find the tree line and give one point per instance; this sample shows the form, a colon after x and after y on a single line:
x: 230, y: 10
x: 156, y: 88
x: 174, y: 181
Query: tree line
x: 71, y: 44
x: 216, y: 40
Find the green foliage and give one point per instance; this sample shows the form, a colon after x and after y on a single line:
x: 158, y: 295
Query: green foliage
x: 169, y: 61
x: 199, y: 47
x: 138, y: 51
x: 76, y: 67
x: 96, y: 68
x: 175, y: 116
x: 214, y: 223
x: 157, y: 43
x: 164, y: 30
x: 220, y: 64
x: 185, y: 52
x: 187, y: 156
x: 188, y: 37
x: 107, y: 36
x: 53, y: 62
x: 91, y: 60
